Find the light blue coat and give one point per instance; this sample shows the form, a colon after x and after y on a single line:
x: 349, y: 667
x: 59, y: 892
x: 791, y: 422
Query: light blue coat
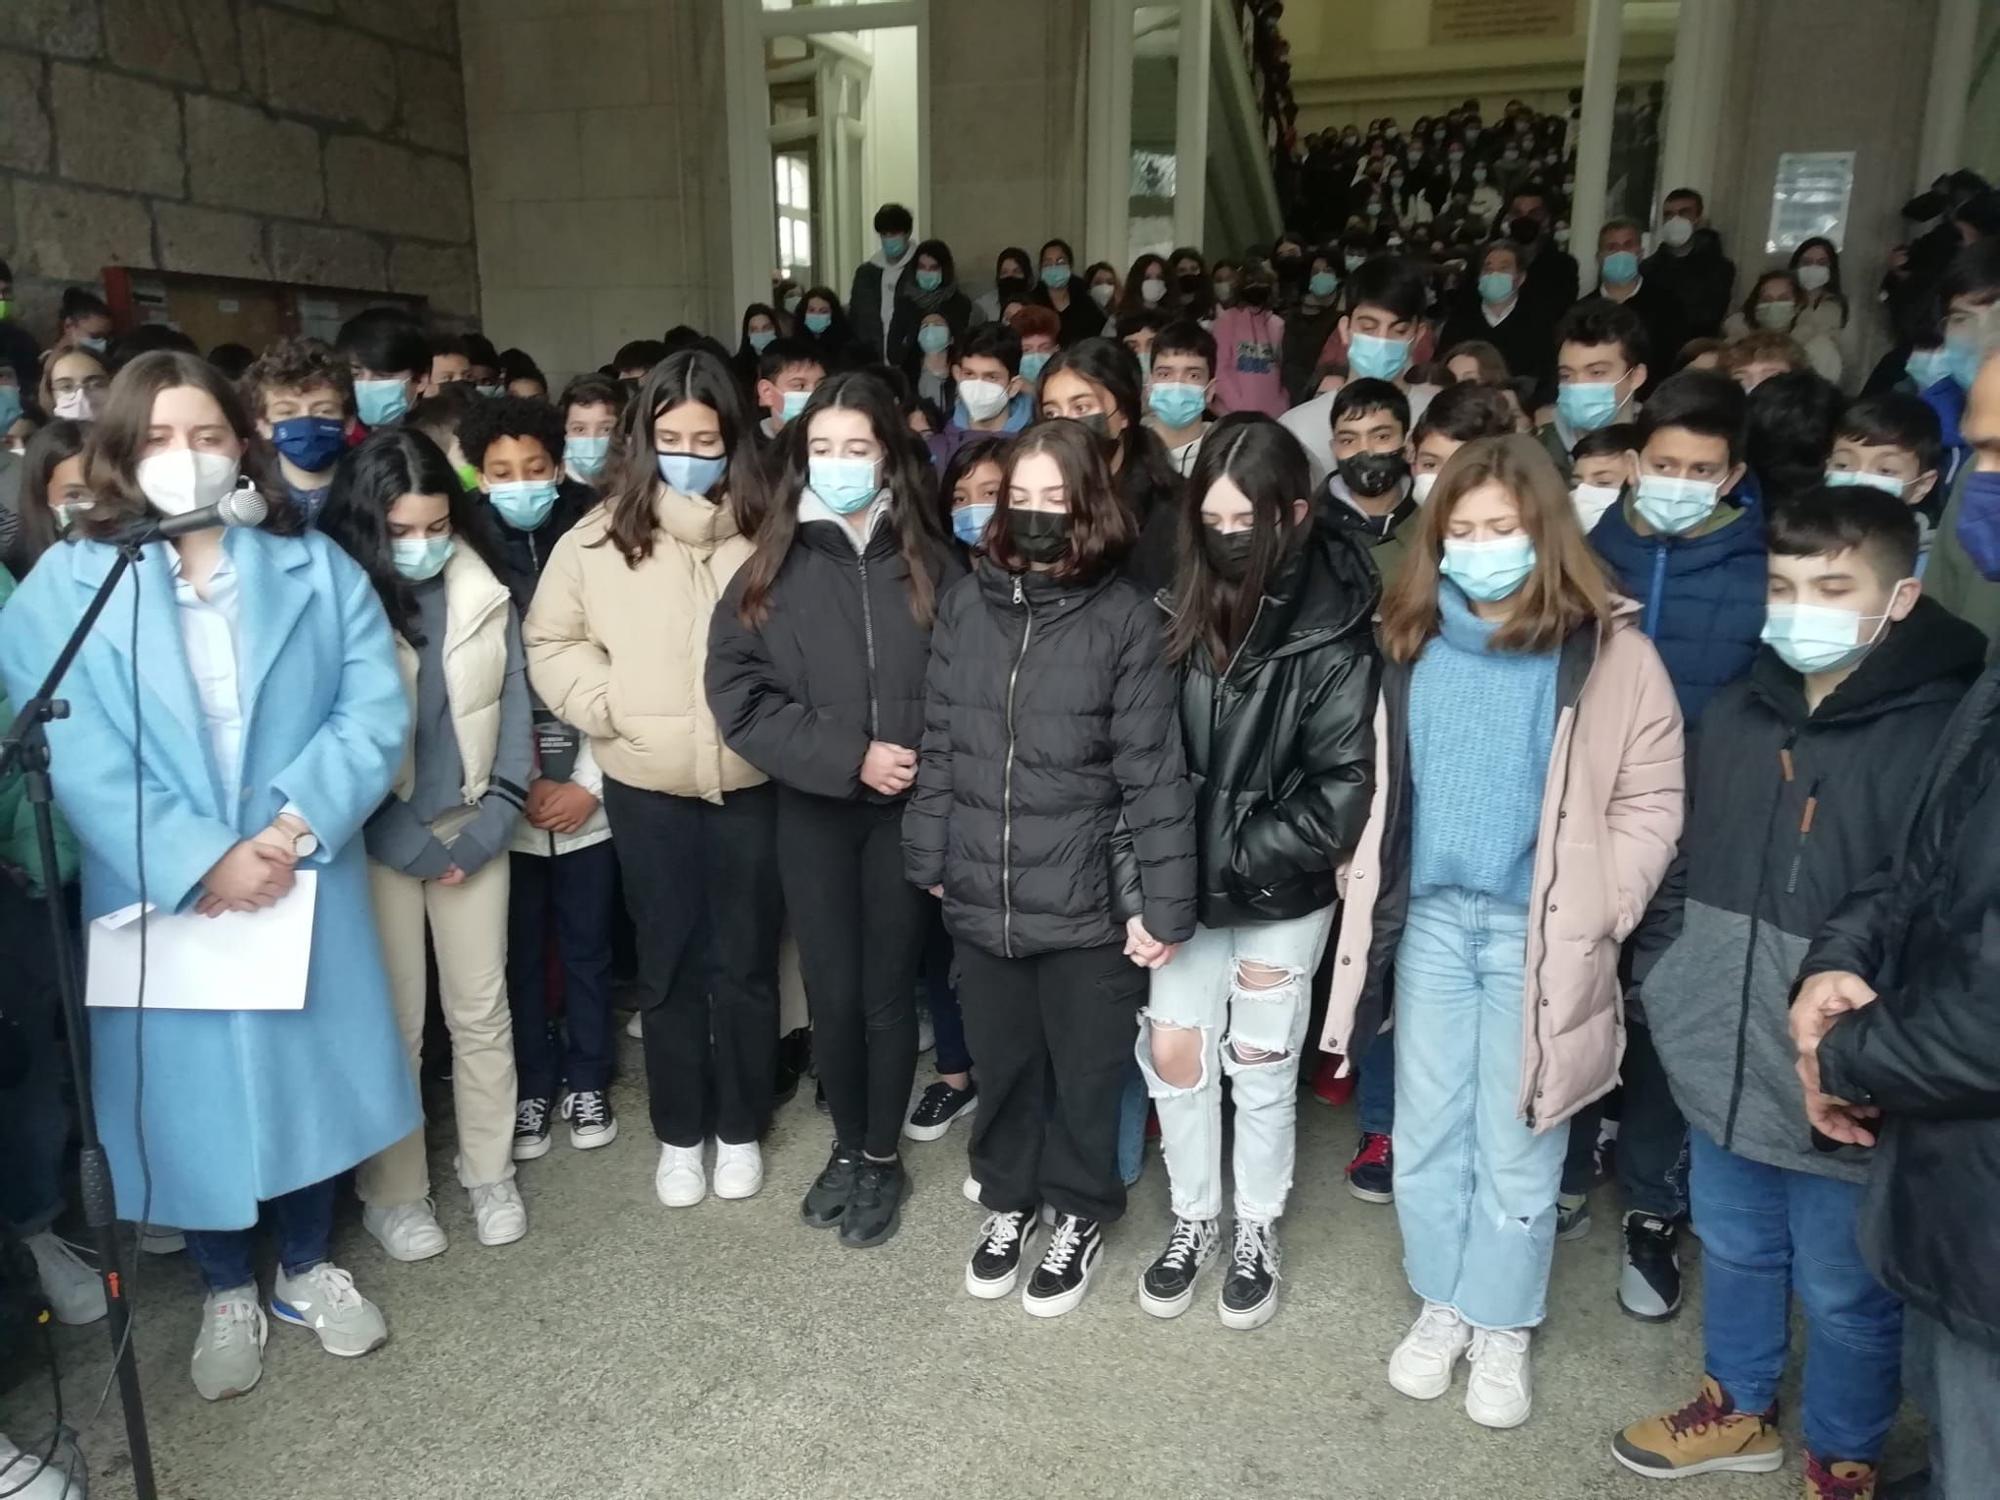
x: 240, y: 1106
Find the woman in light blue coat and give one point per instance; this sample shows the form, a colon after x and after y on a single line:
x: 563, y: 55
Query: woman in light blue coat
x: 269, y: 719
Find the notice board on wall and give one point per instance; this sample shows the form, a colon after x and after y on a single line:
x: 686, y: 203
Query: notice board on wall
x: 215, y: 310
x: 1460, y: 21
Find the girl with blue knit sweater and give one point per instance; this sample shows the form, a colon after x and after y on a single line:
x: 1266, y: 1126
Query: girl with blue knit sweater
x: 1528, y: 800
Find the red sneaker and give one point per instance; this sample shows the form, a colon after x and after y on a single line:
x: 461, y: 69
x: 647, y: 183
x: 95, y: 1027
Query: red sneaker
x: 1371, y: 1175
x: 1328, y: 1085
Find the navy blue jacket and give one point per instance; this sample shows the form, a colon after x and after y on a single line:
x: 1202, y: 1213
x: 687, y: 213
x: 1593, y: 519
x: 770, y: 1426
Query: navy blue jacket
x: 1703, y: 596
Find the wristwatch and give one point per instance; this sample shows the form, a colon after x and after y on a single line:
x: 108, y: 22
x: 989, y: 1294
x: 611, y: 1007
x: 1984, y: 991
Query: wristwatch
x: 304, y: 841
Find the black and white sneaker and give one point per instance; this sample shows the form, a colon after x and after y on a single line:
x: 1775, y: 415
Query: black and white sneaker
x: 1649, y: 1283
x: 531, y: 1129
x: 1167, y: 1287
x: 591, y: 1122
x: 1250, y: 1291
x: 996, y: 1260
x: 939, y: 1107
x: 1063, y: 1276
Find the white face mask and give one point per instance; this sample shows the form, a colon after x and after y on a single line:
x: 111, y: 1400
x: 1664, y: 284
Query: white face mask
x: 180, y: 479
x: 1152, y: 289
x: 1421, y: 486
x: 1592, y: 501
x: 1676, y: 232
x: 1812, y: 276
x: 76, y: 406
x: 984, y: 399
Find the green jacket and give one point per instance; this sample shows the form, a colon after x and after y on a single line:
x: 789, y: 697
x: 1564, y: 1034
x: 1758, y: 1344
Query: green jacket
x: 1552, y: 441
x: 1951, y: 579
x: 19, y: 855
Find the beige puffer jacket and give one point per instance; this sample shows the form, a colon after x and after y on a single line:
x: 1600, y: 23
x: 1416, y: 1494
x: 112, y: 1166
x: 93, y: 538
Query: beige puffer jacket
x: 619, y: 651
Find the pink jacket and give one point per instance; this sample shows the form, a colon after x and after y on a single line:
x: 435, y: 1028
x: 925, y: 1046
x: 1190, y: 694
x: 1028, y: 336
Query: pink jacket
x: 1249, y: 375
x: 1611, y: 818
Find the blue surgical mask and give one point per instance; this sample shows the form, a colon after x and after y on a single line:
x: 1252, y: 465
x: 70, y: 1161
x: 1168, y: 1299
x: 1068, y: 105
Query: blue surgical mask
x: 1374, y: 358
x: 934, y: 338
x: 761, y: 340
x: 1495, y: 286
x: 1586, y: 405
x: 1032, y: 366
x: 893, y: 246
x: 690, y: 473
x: 380, y: 402
x: 10, y: 405
x: 95, y: 343
x: 1177, y: 404
x: 585, y: 456
x: 929, y: 281
x: 818, y: 322
x: 968, y: 523
x: 1322, y: 284
x: 1675, y: 506
x: 1888, y: 484
x: 524, y: 503
x: 1812, y: 638
x: 421, y: 557
x: 311, y: 443
x: 1978, y: 528
x: 791, y: 404
x: 1055, y: 277
x: 845, y: 484
x: 490, y: 391
x: 1490, y: 570
x: 1925, y: 367
x: 1620, y: 266
x: 1961, y: 361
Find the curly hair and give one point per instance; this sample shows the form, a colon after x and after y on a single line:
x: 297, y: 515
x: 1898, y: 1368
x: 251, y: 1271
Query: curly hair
x: 295, y: 365
x: 509, y: 417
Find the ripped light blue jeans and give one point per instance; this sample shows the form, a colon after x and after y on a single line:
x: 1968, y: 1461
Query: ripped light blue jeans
x: 1251, y: 1031
x: 1475, y: 1188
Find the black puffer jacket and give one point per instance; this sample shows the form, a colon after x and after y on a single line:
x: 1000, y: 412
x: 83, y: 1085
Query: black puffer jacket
x: 1282, y: 747
x: 526, y: 553
x: 1924, y: 930
x: 1049, y: 736
x: 838, y: 662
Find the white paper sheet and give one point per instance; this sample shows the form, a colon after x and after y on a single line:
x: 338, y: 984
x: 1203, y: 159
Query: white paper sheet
x: 254, y: 960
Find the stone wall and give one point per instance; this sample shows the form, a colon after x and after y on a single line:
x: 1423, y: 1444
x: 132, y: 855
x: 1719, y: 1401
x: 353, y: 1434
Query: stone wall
x: 315, y: 141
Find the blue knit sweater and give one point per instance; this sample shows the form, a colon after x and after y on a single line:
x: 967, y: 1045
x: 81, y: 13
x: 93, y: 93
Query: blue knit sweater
x: 1482, y: 724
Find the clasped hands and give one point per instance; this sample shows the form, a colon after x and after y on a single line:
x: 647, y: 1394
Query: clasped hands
x: 1822, y: 1000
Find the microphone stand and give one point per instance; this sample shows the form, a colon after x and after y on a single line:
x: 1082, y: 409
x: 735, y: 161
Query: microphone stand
x: 27, y: 745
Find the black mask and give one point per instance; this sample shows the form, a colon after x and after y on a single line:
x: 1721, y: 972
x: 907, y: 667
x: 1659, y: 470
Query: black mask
x: 1256, y: 293
x: 1524, y: 230
x: 1192, y: 282
x: 1014, y: 286
x: 1372, y: 475
x: 1099, y: 425
x: 1039, y: 536
x: 1228, y: 553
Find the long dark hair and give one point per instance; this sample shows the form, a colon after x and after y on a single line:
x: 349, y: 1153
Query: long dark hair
x: 1102, y: 528
x: 1266, y: 462
x: 632, y: 474
x: 117, y: 441
x: 1142, y: 471
x: 367, y: 483
x: 55, y: 444
x: 982, y: 448
x: 905, y: 474
x: 836, y: 345
x: 1134, y: 297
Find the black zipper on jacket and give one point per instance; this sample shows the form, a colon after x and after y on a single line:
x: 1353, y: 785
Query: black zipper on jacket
x: 1007, y: 782
x: 868, y: 635
x: 1750, y: 946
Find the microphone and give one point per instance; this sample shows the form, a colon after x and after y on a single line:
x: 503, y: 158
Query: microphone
x: 240, y: 507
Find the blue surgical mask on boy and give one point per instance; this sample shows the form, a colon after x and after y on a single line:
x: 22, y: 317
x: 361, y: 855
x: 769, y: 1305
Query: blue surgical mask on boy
x: 585, y: 456
x: 845, y: 484
x: 1925, y: 367
x: 1176, y: 403
x: 523, y: 503
x: 893, y: 246
x: 690, y: 473
x: 311, y: 443
x: 968, y: 523
x: 420, y: 557
x: 934, y: 338
x: 380, y: 402
x: 1812, y: 638
x: 929, y: 280
x: 792, y: 404
x: 1586, y: 405
x: 1032, y: 366
x: 1675, y: 506
x: 1374, y: 358
x: 1888, y: 484
x: 1490, y: 570
x: 1961, y: 361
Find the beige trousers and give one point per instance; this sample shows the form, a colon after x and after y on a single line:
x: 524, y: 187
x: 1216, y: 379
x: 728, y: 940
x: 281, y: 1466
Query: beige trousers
x: 468, y: 929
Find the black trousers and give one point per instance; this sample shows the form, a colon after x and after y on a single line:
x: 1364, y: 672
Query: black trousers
x: 860, y: 928
x: 701, y: 881
x: 1065, y: 1022
x: 1652, y: 1135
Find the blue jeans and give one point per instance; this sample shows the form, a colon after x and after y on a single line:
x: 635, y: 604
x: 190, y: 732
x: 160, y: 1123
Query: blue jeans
x: 941, y: 996
x: 570, y: 898
x: 1766, y: 1233
x: 302, y: 1221
x: 1375, y: 1087
x: 1475, y: 1187
x: 1132, y: 1103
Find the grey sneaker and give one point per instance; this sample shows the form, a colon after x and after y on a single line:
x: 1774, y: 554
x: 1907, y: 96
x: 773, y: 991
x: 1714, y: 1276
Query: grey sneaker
x: 229, y: 1352
x: 1572, y: 1216
x: 324, y: 1300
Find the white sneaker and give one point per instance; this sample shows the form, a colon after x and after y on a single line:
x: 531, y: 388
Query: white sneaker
x: 634, y: 1028
x: 739, y: 1170
x: 1499, y: 1393
x: 229, y: 1351
x: 75, y: 1293
x: 679, y: 1179
x: 28, y: 1478
x: 324, y: 1300
x: 1422, y: 1364
x: 499, y: 1213
x: 970, y: 1188
x: 926, y: 1028
x: 405, y: 1231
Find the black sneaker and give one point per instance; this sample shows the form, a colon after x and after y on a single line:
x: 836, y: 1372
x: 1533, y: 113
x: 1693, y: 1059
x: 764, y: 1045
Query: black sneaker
x: 935, y: 1112
x: 1167, y: 1287
x: 794, y: 1062
x: 531, y: 1129
x: 1063, y: 1276
x: 826, y: 1200
x: 877, y: 1205
x: 591, y: 1120
x: 1649, y: 1285
x: 996, y: 1260
x: 1250, y: 1291
x: 819, y: 1098
x: 1371, y: 1175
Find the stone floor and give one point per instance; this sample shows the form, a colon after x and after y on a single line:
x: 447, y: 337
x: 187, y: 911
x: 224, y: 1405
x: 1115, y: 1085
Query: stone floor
x: 625, y: 1350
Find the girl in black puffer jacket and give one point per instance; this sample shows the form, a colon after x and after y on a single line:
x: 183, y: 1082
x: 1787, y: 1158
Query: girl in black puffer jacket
x: 1053, y: 813
x: 817, y: 655
x: 1271, y: 630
